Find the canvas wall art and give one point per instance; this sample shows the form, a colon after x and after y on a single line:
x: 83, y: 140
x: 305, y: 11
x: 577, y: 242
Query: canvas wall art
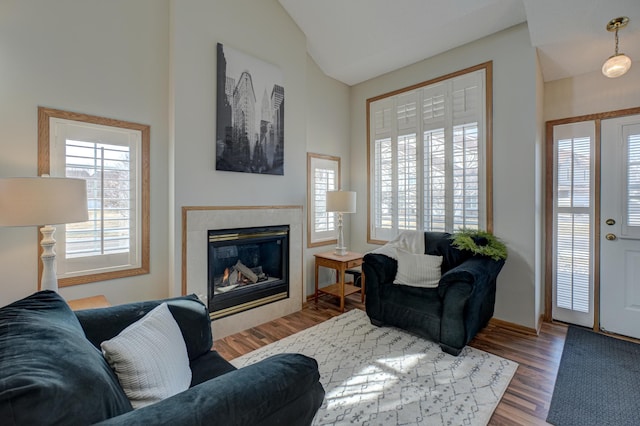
x: 250, y: 114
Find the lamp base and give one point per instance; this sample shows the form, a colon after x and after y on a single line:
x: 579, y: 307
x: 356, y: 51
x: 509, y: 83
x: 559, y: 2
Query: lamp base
x: 340, y: 251
x: 49, y: 279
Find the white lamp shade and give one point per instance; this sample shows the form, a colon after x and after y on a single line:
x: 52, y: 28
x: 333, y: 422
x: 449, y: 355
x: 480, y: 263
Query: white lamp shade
x: 36, y: 201
x: 341, y: 201
x: 616, y: 65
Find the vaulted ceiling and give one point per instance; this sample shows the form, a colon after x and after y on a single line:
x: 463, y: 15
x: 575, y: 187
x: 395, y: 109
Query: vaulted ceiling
x: 355, y: 40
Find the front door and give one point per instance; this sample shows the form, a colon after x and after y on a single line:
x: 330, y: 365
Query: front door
x: 620, y: 226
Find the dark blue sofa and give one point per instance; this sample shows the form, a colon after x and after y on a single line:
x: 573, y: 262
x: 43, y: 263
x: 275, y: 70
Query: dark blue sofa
x: 51, y: 371
x: 450, y: 314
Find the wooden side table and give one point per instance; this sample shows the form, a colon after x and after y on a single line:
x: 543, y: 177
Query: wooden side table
x: 89, y: 303
x: 339, y: 289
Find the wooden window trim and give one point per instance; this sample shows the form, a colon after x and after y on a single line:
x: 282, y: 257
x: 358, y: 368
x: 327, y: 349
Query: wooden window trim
x: 488, y: 67
x: 44, y: 116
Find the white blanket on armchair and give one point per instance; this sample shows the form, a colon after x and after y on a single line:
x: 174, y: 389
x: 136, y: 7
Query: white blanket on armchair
x: 411, y: 241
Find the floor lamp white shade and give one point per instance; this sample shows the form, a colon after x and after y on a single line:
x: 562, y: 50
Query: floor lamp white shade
x: 43, y: 201
x: 341, y: 202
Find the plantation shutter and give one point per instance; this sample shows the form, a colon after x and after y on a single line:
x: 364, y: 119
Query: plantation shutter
x: 573, y: 218
x: 428, y: 164
x: 325, y: 180
x: 467, y: 113
x: 107, y: 170
x: 406, y: 155
x: 435, y: 113
x: 631, y: 189
x: 108, y: 159
x: 383, y: 169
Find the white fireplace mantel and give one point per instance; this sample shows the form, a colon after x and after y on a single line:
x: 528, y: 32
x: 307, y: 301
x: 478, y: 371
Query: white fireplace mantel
x: 198, y: 220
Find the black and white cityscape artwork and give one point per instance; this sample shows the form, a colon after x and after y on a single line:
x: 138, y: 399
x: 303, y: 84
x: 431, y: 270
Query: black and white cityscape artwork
x: 250, y: 114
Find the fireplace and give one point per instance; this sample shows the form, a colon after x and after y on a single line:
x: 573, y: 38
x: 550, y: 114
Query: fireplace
x: 247, y: 268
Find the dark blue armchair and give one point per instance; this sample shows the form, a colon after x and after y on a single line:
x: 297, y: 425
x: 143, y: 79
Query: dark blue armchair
x: 450, y: 314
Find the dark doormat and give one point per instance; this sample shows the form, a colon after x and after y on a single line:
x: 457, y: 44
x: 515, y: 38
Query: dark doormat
x: 598, y: 381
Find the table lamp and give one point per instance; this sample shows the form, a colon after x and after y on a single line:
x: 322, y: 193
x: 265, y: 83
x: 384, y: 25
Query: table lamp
x: 341, y: 202
x: 43, y: 201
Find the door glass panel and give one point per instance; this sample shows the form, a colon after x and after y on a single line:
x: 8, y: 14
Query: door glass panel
x: 573, y: 214
x: 572, y: 261
x: 632, y: 184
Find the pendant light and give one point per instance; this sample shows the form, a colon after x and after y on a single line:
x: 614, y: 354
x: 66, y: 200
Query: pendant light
x: 619, y: 63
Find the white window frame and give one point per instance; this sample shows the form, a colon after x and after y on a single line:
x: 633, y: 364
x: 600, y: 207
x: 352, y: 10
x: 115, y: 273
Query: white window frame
x: 56, y: 127
x: 385, y: 120
x: 316, y: 194
x: 576, y: 313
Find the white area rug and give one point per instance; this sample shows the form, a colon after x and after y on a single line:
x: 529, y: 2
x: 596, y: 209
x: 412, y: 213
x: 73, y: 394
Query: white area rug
x: 386, y: 376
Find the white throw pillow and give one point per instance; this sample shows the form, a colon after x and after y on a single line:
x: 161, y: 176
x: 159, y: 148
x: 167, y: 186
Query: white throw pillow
x: 150, y: 358
x: 418, y: 270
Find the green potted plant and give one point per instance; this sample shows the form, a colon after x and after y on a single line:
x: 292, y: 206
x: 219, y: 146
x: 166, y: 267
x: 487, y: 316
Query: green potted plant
x: 480, y: 242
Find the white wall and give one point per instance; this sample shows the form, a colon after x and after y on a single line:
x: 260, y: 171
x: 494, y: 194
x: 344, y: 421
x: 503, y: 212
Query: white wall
x: 105, y: 58
x: 154, y: 62
x: 328, y: 127
x: 264, y: 30
x: 515, y: 134
x: 591, y: 93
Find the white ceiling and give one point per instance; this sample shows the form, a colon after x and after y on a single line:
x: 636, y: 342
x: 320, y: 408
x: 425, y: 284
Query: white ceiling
x: 355, y: 40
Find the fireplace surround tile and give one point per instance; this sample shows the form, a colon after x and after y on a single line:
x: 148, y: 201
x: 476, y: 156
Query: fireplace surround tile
x: 198, y: 220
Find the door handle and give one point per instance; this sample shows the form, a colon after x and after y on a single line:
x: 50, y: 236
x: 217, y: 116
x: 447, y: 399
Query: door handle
x: 610, y: 222
x: 610, y: 237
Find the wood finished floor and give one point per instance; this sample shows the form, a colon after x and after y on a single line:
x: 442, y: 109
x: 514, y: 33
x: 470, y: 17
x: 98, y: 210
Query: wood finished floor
x: 526, y: 400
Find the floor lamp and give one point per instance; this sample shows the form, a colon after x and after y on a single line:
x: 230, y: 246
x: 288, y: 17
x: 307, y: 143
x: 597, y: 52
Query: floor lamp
x: 43, y: 201
x: 341, y: 202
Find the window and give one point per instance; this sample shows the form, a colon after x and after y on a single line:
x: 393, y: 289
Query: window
x: 573, y: 210
x: 631, y: 188
x: 323, y: 174
x: 428, y: 147
x: 113, y: 157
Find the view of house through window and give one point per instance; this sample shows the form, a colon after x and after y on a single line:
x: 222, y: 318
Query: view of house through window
x: 108, y: 172
x: 428, y: 146
x: 112, y: 156
x: 325, y: 180
x: 573, y: 222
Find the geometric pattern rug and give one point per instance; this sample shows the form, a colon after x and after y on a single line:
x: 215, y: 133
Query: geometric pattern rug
x: 387, y: 376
